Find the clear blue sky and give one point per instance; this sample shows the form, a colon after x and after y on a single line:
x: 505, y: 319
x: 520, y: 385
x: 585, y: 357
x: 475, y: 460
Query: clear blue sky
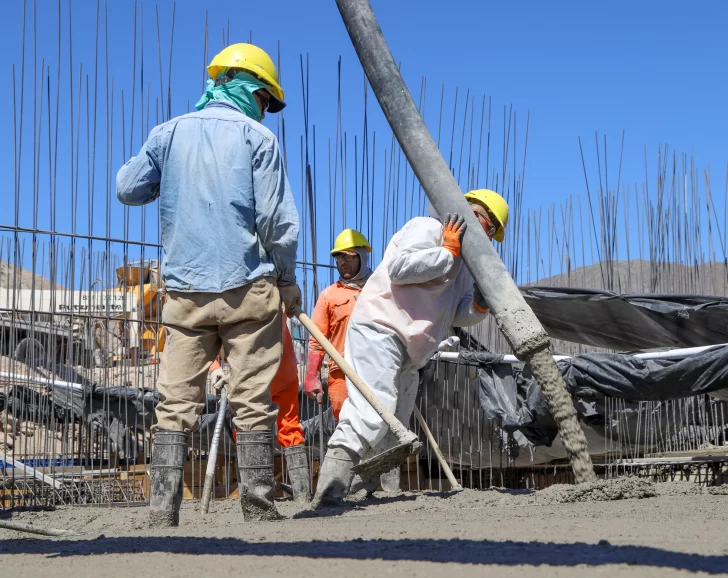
x: 656, y: 70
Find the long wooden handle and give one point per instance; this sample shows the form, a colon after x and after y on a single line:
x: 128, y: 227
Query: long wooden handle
x: 436, y: 448
x: 392, y: 422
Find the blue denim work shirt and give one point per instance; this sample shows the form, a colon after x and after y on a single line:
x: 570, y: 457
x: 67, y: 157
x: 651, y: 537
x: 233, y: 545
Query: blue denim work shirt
x: 227, y: 211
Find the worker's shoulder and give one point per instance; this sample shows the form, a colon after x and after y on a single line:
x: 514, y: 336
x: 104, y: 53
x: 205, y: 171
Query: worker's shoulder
x: 164, y: 128
x: 228, y: 114
x: 255, y: 127
x: 262, y: 130
x: 429, y: 222
x: 330, y: 290
x: 336, y: 290
x: 422, y: 225
x: 325, y: 292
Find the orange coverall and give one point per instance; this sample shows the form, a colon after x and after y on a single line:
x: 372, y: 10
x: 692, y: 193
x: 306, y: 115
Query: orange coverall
x: 331, y: 316
x: 284, y: 391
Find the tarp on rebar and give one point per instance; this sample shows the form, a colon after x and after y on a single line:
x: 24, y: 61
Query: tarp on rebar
x: 631, y: 321
x: 510, y: 395
x: 488, y: 413
x: 123, y: 412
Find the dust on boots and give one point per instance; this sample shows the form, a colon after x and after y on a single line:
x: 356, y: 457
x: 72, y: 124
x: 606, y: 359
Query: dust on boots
x: 335, y: 478
x: 362, y: 488
x: 256, y: 481
x: 391, y: 481
x: 169, y: 454
x: 297, y: 466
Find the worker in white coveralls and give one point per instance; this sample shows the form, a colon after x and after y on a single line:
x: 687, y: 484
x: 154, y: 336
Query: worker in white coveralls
x: 419, y: 291
x: 230, y: 235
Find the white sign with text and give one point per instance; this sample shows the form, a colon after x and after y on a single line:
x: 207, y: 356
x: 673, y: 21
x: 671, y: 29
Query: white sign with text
x: 64, y: 301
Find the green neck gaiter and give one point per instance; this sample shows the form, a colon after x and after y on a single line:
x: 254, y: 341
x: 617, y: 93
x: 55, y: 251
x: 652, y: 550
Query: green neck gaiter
x: 239, y: 91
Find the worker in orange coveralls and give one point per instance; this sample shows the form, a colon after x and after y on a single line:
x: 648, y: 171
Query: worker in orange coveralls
x: 284, y: 391
x: 331, y: 315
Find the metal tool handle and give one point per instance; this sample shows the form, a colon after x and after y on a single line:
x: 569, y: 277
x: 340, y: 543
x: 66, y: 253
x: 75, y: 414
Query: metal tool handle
x: 392, y: 422
x: 23, y: 527
x: 436, y: 448
x: 212, y: 455
x: 56, y: 484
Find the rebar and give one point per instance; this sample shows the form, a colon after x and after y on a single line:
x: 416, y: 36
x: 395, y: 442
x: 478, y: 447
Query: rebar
x: 54, y: 260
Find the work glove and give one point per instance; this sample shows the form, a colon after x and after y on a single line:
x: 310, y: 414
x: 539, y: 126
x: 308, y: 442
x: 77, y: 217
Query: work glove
x: 218, y: 379
x: 291, y: 297
x: 453, y: 229
x: 479, y: 302
x: 312, y: 384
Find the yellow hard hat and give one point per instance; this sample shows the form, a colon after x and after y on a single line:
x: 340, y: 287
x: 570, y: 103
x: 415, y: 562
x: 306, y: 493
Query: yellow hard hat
x: 496, y: 207
x: 253, y: 60
x: 349, y: 239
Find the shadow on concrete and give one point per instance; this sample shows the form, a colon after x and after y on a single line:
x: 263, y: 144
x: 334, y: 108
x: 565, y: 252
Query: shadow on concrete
x: 505, y: 553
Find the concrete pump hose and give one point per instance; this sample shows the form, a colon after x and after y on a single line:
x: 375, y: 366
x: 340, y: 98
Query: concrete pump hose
x: 514, y: 317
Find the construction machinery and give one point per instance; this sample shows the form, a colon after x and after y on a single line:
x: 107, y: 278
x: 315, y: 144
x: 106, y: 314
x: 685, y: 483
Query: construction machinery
x: 142, y: 328
x: 62, y: 326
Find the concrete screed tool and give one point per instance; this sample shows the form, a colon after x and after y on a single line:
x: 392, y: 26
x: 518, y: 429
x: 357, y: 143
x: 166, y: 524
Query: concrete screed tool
x: 409, y: 444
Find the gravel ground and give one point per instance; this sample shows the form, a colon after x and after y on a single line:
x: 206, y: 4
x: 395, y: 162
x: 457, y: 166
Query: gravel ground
x: 663, y: 530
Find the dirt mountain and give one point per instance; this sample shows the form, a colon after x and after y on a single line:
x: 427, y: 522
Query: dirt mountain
x: 14, y: 276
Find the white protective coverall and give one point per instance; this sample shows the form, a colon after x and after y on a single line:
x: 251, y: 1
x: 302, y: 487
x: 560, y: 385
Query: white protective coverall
x: 417, y: 293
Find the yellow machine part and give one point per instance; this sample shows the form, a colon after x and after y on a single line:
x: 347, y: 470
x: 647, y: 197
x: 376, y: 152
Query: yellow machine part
x: 145, y: 280
x: 153, y: 341
x: 134, y: 274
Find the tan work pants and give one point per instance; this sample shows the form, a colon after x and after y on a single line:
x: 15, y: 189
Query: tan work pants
x: 246, y: 322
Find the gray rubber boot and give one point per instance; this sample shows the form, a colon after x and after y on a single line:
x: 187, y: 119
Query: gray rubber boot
x: 297, y: 466
x: 362, y: 488
x: 256, y: 482
x: 391, y: 481
x: 335, y: 478
x: 169, y: 454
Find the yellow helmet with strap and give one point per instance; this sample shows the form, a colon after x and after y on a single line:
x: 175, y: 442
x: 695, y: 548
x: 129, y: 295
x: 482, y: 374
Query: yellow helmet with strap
x: 255, y: 61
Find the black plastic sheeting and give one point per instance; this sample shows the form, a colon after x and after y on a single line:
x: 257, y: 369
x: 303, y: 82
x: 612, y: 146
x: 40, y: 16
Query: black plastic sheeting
x: 510, y: 395
x: 125, y: 412
x: 122, y: 412
x: 629, y: 322
x: 312, y: 427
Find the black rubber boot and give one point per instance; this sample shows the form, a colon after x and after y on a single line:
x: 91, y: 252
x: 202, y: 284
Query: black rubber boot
x: 297, y: 465
x: 335, y: 478
x: 256, y: 481
x: 169, y: 454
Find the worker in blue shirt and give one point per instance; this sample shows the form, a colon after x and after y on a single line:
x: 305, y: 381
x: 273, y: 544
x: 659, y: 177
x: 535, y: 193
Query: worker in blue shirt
x: 230, y: 237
